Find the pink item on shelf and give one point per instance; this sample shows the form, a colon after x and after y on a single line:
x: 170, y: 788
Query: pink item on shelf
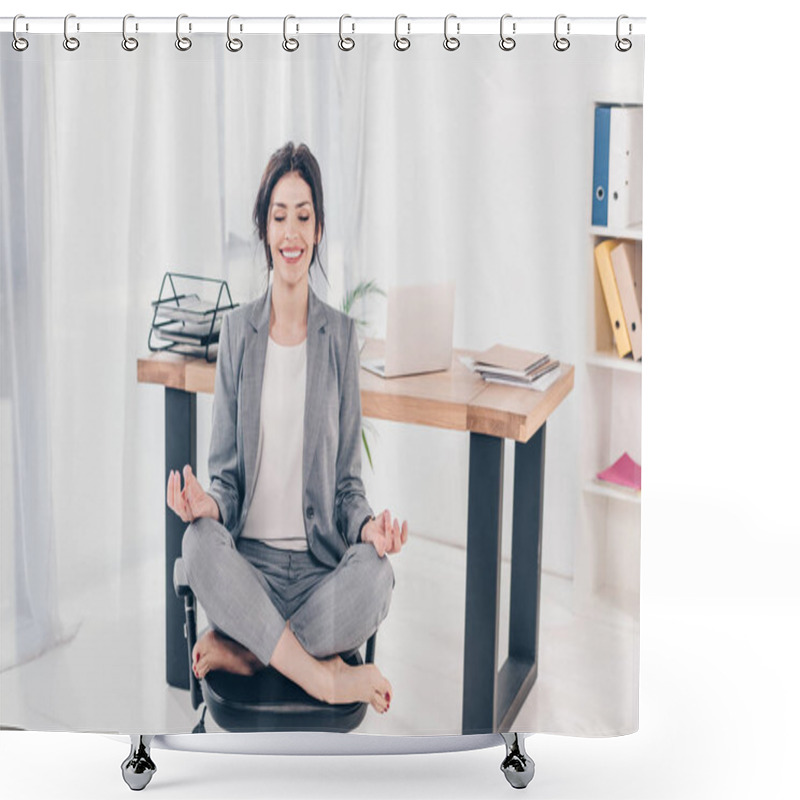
x: 624, y: 471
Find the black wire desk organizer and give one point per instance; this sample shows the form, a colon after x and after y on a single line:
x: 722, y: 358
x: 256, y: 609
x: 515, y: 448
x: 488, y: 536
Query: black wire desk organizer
x: 186, y: 321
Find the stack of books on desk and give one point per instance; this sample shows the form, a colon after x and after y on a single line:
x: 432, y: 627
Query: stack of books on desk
x: 513, y: 367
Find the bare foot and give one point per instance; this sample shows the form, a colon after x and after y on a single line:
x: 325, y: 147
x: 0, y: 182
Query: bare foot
x: 214, y: 651
x: 363, y: 684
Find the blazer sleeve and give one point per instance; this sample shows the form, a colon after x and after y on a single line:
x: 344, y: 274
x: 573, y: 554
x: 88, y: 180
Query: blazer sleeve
x: 351, y: 504
x: 222, y: 455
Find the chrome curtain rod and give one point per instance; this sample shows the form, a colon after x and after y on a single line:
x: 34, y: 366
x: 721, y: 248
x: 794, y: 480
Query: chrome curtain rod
x: 457, y: 26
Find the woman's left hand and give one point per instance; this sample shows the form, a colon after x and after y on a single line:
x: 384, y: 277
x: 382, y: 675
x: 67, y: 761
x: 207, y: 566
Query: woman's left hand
x: 385, y: 534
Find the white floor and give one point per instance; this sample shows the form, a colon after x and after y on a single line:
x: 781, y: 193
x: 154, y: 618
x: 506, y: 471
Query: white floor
x: 110, y: 677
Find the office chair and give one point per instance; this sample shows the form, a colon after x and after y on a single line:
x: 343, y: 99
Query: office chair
x: 266, y: 701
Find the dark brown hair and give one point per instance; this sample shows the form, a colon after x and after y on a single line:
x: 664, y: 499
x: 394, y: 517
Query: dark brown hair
x: 290, y: 158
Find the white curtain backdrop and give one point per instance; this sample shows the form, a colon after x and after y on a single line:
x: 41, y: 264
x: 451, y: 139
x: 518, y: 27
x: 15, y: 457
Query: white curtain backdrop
x: 117, y: 167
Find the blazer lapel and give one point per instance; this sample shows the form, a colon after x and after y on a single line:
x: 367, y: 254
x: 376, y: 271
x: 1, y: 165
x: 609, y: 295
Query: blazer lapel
x: 317, y: 345
x: 255, y: 353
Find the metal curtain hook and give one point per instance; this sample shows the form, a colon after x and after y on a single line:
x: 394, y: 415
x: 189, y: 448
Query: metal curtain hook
x: 451, y: 42
x: 70, y: 42
x: 345, y: 42
x: 182, y: 42
x: 129, y: 43
x: 561, y: 43
x: 290, y: 45
x: 233, y: 45
x: 401, y: 42
x: 507, y: 42
x: 623, y: 45
x: 18, y: 43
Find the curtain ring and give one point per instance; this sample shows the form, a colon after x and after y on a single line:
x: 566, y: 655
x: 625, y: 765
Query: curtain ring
x: 401, y: 42
x: 451, y: 42
x: 70, y: 42
x: 18, y: 43
x: 129, y: 43
x: 345, y: 42
x: 507, y: 42
x: 623, y: 45
x: 290, y: 45
x: 183, y: 43
x: 233, y: 45
x: 561, y: 43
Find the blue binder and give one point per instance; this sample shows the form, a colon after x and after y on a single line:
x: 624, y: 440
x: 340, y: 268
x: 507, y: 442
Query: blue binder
x: 602, y: 128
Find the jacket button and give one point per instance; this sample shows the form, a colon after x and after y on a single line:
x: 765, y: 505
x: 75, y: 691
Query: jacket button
x: 310, y: 512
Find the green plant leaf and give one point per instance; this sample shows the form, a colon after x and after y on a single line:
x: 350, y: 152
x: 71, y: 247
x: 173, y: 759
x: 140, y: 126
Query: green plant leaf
x: 361, y: 291
x: 366, y: 447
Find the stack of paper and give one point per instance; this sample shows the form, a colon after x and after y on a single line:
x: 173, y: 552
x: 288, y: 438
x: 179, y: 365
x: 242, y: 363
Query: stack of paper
x: 514, y: 367
x: 190, y: 325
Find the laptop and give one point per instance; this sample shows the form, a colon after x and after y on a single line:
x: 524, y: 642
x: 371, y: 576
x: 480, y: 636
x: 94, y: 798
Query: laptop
x: 419, y: 331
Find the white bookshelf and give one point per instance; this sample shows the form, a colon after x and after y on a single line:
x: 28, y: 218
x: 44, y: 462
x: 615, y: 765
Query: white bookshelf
x: 609, y: 539
x: 607, y: 359
x: 634, y: 233
x: 622, y: 495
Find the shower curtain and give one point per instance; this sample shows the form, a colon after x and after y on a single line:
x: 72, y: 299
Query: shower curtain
x: 472, y: 167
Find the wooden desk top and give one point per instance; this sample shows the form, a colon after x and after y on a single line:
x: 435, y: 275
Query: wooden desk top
x: 457, y: 399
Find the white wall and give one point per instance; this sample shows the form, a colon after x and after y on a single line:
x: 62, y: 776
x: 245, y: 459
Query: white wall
x: 145, y: 175
x: 495, y: 195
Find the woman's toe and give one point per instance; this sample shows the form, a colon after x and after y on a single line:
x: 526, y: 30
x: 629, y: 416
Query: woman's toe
x: 376, y: 704
x: 380, y: 702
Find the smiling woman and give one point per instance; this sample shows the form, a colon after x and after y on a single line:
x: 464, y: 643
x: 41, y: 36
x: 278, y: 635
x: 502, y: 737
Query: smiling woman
x: 292, y: 232
x: 302, y: 196
x: 283, y: 550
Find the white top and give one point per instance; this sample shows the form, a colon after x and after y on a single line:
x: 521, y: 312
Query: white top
x: 276, y: 512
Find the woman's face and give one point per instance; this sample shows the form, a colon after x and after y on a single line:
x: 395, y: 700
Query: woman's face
x: 291, y: 229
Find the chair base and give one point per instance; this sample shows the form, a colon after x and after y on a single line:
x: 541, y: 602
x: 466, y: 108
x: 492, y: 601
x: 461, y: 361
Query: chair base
x: 270, y: 702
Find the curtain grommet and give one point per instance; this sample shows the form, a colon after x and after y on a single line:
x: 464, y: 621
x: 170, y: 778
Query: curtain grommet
x: 183, y: 43
x: 451, y: 43
x: 71, y: 43
x: 507, y: 42
x: 401, y: 43
x: 346, y: 43
x: 18, y: 42
x: 561, y: 43
x: 129, y: 43
x: 233, y: 44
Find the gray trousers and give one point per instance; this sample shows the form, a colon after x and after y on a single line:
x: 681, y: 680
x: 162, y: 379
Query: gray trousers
x: 249, y: 590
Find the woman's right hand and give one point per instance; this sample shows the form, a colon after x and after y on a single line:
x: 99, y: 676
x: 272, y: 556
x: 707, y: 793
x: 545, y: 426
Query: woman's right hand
x: 192, y: 501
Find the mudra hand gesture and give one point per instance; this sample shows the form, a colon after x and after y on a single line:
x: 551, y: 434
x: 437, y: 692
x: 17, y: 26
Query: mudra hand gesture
x: 192, y: 502
x: 386, y: 535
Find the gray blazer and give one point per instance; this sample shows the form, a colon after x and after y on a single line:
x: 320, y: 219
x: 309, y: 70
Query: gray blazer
x: 334, y: 504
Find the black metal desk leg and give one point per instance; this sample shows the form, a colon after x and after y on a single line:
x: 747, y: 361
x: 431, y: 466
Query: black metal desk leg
x: 484, y: 524
x: 526, y: 547
x: 518, y: 674
x: 180, y: 437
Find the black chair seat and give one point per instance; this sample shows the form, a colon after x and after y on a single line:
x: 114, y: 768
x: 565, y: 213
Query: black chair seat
x: 268, y: 701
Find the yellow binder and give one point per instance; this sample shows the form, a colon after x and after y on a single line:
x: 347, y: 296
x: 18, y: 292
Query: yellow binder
x: 605, y: 269
x: 623, y: 260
